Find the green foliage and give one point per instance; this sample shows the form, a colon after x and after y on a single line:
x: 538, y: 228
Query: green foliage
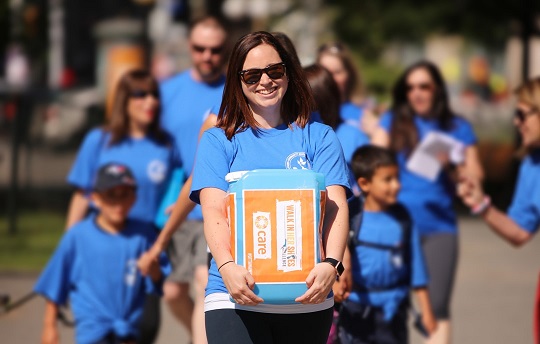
x: 29, y: 249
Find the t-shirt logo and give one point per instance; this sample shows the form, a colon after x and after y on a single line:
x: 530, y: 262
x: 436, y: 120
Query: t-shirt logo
x: 131, y: 272
x: 156, y: 171
x: 298, y: 161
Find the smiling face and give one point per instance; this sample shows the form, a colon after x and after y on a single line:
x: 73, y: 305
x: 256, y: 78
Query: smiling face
x: 265, y: 96
x: 142, y: 108
x: 420, y: 91
x: 528, y: 125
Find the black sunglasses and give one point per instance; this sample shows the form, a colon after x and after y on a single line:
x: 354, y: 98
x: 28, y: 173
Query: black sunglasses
x: 522, y: 115
x: 253, y: 76
x: 214, y: 51
x: 143, y: 94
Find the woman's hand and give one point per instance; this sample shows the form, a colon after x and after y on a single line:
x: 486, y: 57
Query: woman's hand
x: 240, y: 284
x: 319, y: 282
x: 470, y: 191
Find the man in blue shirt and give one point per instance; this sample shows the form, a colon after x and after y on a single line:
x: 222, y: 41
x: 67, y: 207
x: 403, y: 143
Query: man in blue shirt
x: 187, y: 99
x: 95, y: 266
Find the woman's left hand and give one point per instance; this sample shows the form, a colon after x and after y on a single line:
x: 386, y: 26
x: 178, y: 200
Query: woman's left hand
x: 319, y: 282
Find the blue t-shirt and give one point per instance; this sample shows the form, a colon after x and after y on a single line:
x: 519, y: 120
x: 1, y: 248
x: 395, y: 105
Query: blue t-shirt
x: 185, y: 105
x: 98, y: 272
x: 430, y: 202
x: 315, y: 147
x: 376, y: 268
x: 151, y: 163
x: 350, y: 137
x: 351, y: 112
x: 525, y: 207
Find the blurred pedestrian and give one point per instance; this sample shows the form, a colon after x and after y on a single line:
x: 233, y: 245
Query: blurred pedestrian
x: 264, y: 118
x: 420, y: 106
x: 94, y: 266
x: 337, y: 59
x: 132, y: 137
x: 188, y: 99
x: 523, y: 218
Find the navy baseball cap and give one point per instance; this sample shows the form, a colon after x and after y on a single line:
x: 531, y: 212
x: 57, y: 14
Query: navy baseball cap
x: 112, y: 175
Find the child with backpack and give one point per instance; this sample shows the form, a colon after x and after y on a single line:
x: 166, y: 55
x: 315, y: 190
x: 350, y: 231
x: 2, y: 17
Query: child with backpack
x: 386, y: 257
x: 95, y: 266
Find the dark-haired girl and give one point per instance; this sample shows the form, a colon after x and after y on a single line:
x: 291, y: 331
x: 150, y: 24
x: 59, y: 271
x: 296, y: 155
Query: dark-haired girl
x: 420, y: 106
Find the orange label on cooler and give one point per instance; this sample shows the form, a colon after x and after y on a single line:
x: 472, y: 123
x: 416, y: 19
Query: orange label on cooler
x: 279, y: 234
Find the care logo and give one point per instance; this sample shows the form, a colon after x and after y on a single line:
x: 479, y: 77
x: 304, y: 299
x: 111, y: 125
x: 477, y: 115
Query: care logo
x: 261, y: 222
x: 262, y: 235
x: 156, y: 171
x: 298, y: 161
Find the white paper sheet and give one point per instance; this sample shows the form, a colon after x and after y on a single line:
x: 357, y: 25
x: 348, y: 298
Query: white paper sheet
x: 424, y: 162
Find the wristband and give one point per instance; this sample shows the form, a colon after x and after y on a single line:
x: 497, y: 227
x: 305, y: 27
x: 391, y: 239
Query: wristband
x: 481, y: 207
x: 230, y: 261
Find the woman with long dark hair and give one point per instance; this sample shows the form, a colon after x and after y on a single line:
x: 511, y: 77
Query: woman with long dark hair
x: 132, y: 137
x: 420, y: 106
x: 262, y: 122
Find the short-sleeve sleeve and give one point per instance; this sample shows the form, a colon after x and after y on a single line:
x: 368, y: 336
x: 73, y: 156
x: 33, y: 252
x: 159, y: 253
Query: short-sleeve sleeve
x: 212, y: 163
x: 329, y: 160
x: 464, y: 131
x: 525, y: 207
x: 85, y: 166
x: 385, y: 121
x: 54, y: 282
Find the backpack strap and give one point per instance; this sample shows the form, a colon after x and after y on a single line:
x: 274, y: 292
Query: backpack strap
x: 356, y: 214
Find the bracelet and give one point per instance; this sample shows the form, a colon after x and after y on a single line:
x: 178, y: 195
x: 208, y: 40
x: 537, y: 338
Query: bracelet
x: 481, y: 207
x: 230, y: 261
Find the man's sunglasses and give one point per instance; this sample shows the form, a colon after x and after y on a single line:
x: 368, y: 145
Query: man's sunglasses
x: 522, y: 115
x: 253, y: 76
x: 422, y: 87
x: 143, y: 94
x: 214, y: 51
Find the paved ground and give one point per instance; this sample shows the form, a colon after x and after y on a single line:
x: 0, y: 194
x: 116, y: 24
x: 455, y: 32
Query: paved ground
x: 492, y: 301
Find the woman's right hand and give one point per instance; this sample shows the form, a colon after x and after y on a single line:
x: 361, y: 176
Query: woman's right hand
x: 240, y: 284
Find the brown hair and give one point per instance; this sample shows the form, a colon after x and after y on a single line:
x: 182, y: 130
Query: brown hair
x: 235, y: 113
x: 403, y: 133
x: 529, y: 93
x: 326, y: 94
x: 340, y: 51
x: 118, y: 125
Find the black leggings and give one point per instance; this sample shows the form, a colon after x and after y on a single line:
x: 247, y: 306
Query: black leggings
x: 150, y: 320
x: 244, y: 327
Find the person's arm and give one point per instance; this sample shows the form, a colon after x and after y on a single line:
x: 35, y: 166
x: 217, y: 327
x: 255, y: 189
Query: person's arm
x: 336, y: 230
x: 237, y: 279
x: 380, y: 138
x: 181, y: 209
x: 343, y: 286
x: 471, y: 165
x: 78, y: 207
x: 50, y: 330
x: 472, y: 195
x: 428, y: 318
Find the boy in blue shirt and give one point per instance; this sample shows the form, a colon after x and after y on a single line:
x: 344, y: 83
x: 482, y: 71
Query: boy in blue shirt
x: 385, y: 257
x: 95, y: 265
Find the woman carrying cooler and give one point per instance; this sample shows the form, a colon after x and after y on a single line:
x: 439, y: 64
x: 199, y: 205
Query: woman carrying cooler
x: 419, y: 107
x: 263, y: 121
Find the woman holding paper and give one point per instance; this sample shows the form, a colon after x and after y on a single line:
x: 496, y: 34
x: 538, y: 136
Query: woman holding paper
x: 523, y: 218
x: 420, y: 110
x: 263, y: 122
